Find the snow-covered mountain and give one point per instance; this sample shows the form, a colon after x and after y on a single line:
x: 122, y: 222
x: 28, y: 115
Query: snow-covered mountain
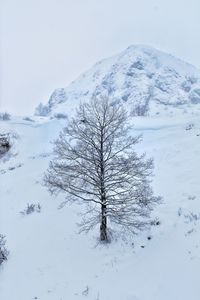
x: 148, y: 81
x: 48, y: 259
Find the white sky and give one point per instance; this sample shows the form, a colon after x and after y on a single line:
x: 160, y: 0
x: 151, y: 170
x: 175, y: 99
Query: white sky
x: 45, y: 44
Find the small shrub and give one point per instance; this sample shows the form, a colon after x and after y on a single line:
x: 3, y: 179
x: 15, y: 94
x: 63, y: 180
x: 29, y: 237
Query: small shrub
x: 180, y: 211
x: 191, y: 217
x: 155, y: 222
x: 86, y: 291
x: 60, y: 116
x: 42, y: 110
x: 31, y: 208
x: 5, y: 116
x: 4, y: 143
x: 28, y: 119
x: 189, y: 126
x: 3, y: 250
x: 190, y: 197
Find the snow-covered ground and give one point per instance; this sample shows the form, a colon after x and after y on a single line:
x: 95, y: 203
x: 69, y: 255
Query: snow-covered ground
x: 49, y: 260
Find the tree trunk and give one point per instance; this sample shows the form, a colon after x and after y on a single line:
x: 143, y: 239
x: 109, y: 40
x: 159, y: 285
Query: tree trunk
x: 103, y: 227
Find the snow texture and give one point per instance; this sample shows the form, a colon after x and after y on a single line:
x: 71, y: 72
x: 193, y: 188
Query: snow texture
x: 49, y: 260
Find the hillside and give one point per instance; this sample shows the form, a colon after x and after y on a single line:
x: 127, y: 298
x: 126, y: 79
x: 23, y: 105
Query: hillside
x: 49, y: 260
x: 146, y: 80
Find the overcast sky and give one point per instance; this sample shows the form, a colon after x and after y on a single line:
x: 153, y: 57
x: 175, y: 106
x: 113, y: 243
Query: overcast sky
x: 45, y: 44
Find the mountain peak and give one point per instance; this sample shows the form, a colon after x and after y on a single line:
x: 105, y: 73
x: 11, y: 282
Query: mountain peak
x: 147, y: 81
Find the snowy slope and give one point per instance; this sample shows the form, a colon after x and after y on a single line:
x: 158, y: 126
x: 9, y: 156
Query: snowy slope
x: 146, y: 80
x: 50, y: 261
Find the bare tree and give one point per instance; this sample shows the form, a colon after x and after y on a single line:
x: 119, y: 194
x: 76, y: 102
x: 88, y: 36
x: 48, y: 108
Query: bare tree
x: 95, y: 162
